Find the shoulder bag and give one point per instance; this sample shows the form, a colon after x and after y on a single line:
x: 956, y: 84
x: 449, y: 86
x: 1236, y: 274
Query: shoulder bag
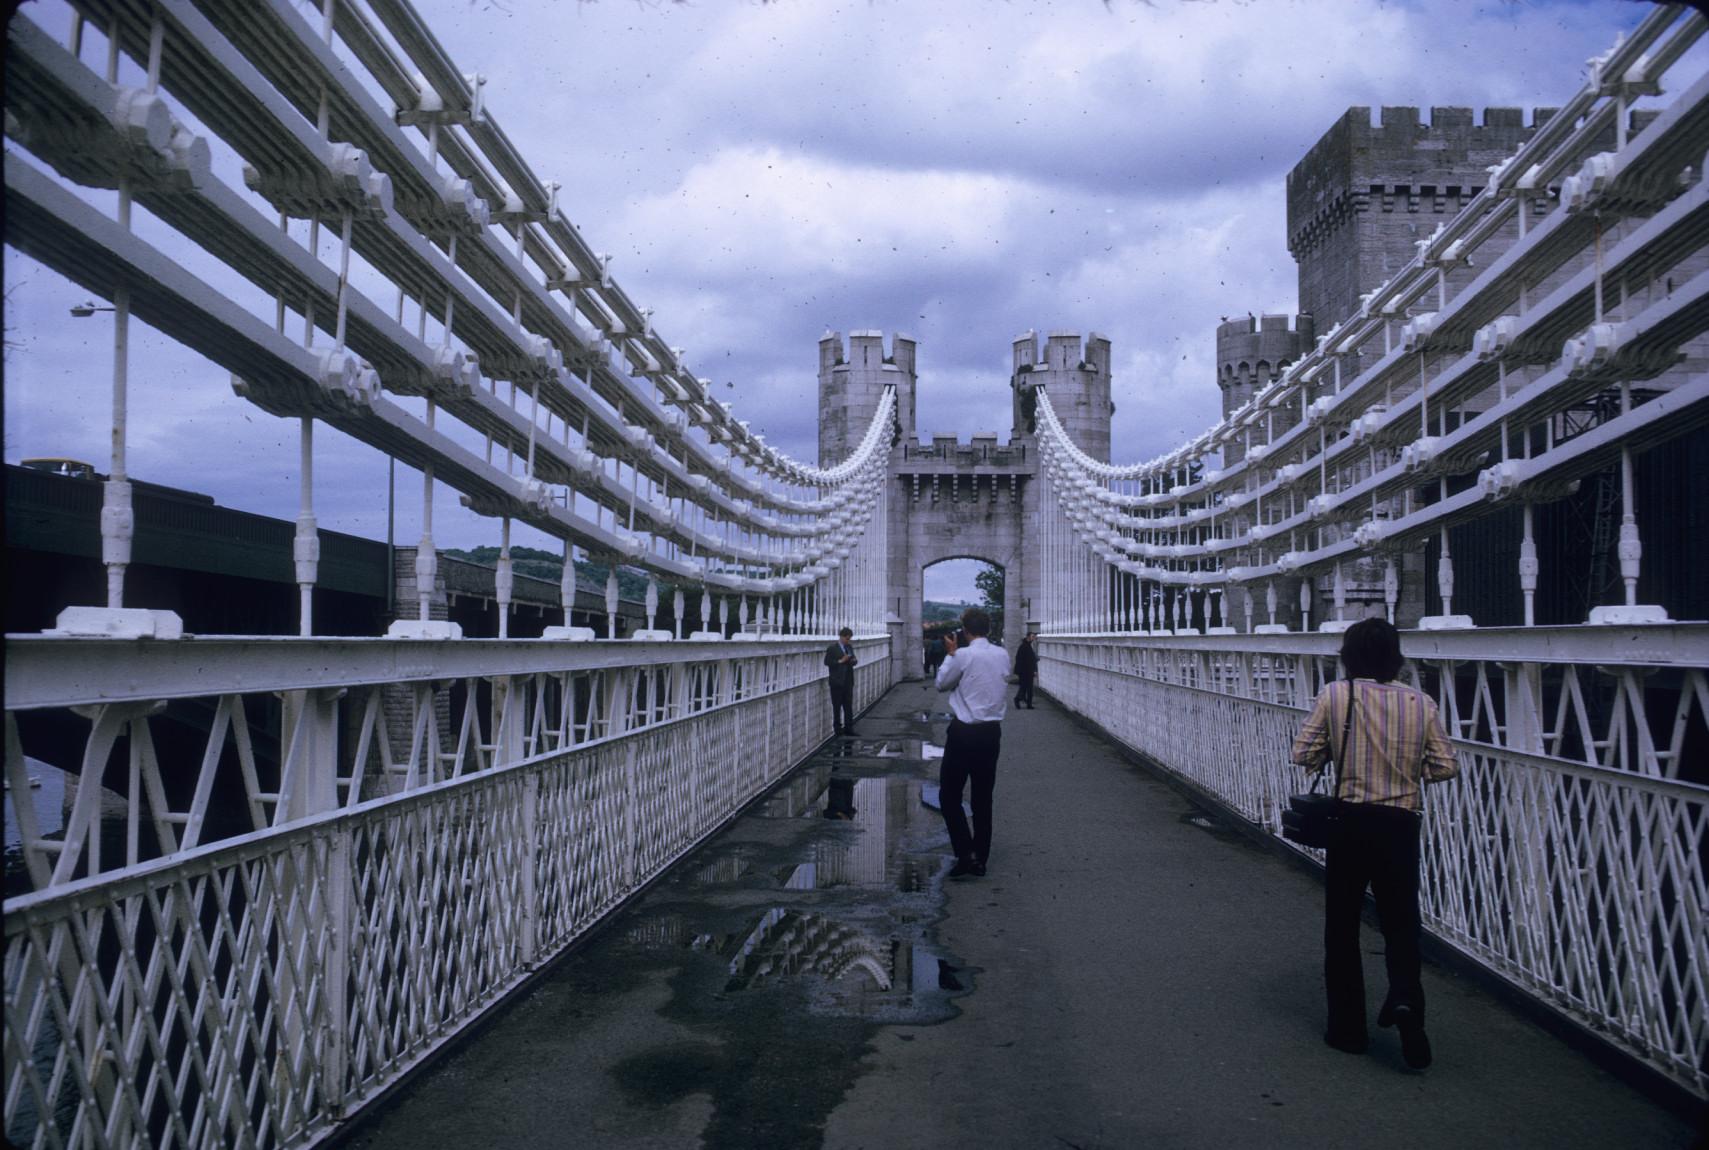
x: 1311, y: 817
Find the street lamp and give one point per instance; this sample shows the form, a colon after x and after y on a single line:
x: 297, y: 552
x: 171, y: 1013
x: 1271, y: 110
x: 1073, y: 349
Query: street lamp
x: 117, y: 521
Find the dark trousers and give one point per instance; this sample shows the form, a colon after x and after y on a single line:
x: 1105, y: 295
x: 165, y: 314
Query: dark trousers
x: 1024, y: 692
x: 1376, y: 846
x: 970, y: 753
x: 842, y: 705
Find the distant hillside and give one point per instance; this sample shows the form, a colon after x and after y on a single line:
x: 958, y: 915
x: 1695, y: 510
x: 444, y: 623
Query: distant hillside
x: 932, y: 611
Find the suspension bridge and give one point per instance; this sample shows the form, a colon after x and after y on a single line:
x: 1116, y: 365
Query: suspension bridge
x: 295, y: 870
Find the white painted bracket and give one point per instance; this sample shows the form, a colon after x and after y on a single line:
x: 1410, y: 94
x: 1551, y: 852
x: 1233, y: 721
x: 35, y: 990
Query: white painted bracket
x: 569, y: 634
x: 1623, y: 615
x: 651, y: 637
x: 1337, y: 626
x: 706, y: 637
x: 424, y: 629
x: 118, y: 623
x: 1446, y: 623
x: 1270, y: 629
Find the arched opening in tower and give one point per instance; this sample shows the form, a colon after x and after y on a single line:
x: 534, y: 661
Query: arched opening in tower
x: 951, y: 586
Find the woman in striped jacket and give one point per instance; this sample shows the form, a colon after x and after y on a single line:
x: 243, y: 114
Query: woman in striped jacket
x: 1389, y: 742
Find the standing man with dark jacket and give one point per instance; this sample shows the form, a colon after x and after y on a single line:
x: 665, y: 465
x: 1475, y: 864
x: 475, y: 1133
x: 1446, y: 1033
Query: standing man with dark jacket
x: 840, y: 658
x: 976, y: 677
x: 1026, y: 670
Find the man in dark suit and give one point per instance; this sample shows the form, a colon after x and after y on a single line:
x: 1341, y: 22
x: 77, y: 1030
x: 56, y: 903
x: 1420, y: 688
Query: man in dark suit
x: 840, y: 658
x: 1026, y: 670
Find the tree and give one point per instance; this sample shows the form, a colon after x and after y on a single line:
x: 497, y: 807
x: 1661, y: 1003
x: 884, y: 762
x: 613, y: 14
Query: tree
x: 990, y: 584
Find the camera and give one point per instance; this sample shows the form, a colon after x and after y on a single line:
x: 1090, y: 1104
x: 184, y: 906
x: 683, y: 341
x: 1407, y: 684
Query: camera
x: 959, y: 638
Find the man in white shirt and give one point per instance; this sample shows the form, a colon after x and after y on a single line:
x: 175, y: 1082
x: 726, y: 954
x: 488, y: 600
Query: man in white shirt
x: 976, y: 676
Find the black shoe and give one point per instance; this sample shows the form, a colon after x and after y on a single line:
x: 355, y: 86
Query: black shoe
x: 963, y: 868
x: 1347, y: 1043
x: 1414, y: 1043
x: 978, y: 870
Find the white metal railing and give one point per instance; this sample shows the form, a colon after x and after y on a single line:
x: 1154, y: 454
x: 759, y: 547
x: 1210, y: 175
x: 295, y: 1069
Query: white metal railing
x: 365, y: 904
x: 1567, y: 856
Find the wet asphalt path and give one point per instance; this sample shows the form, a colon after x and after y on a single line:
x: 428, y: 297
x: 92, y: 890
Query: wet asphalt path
x: 1128, y: 974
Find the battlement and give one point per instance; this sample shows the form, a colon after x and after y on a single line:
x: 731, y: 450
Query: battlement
x: 982, y: 452
x: 1250, y: 324
x: 1398, y: 152
x: 865, y: 348
x: 1063, y: 351
x: 1404, y: 118
x: 853, y: 377
x: 1251, y: 351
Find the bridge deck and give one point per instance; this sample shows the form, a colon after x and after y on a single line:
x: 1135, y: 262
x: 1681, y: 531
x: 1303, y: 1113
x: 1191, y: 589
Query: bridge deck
x: 1130, y: 973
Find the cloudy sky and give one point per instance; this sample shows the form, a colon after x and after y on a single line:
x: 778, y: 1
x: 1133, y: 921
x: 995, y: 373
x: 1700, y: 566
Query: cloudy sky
x: 959, y: 170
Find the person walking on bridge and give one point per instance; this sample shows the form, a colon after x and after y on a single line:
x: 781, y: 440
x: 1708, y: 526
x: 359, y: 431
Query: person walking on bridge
x: 1026, y: 670
x: 976, y: 675
x: 1389, y: 742
x: 840, y: 658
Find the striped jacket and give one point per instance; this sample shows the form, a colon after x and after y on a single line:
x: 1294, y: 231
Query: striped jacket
x: 1397, y: 742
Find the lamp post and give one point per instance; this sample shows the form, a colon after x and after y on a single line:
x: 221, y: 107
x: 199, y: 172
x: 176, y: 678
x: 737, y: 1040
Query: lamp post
x: 118, y: 523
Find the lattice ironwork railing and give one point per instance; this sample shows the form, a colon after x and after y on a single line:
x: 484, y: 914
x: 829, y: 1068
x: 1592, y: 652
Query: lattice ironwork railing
x: 252, y: 990
x: 1568, y: 856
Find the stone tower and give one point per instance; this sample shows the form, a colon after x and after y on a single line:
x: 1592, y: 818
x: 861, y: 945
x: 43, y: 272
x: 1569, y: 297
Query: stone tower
x: 852, y: 381
x: 1365, y: 194
x: 1250, y: 353
x: 1078, y: 380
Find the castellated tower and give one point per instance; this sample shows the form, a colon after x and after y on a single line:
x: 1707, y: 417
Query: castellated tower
x: 1078, y: 380
x: 1252, y: 352
x: 1364, y: 194
x: 851, y: 383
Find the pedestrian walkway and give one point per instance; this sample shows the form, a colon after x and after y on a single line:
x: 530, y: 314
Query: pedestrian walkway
x: 1130, y: 973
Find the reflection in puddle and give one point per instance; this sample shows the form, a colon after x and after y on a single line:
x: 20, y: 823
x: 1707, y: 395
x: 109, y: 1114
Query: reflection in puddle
x: 839, y: 801
x: 853, y: 859
x: 845, y: 969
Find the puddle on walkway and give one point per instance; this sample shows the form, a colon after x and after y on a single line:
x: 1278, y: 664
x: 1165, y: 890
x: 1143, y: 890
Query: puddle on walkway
x: 785, y: 944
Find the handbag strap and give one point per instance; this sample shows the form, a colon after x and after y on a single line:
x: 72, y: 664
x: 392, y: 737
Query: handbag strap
x: 1346, y: 736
